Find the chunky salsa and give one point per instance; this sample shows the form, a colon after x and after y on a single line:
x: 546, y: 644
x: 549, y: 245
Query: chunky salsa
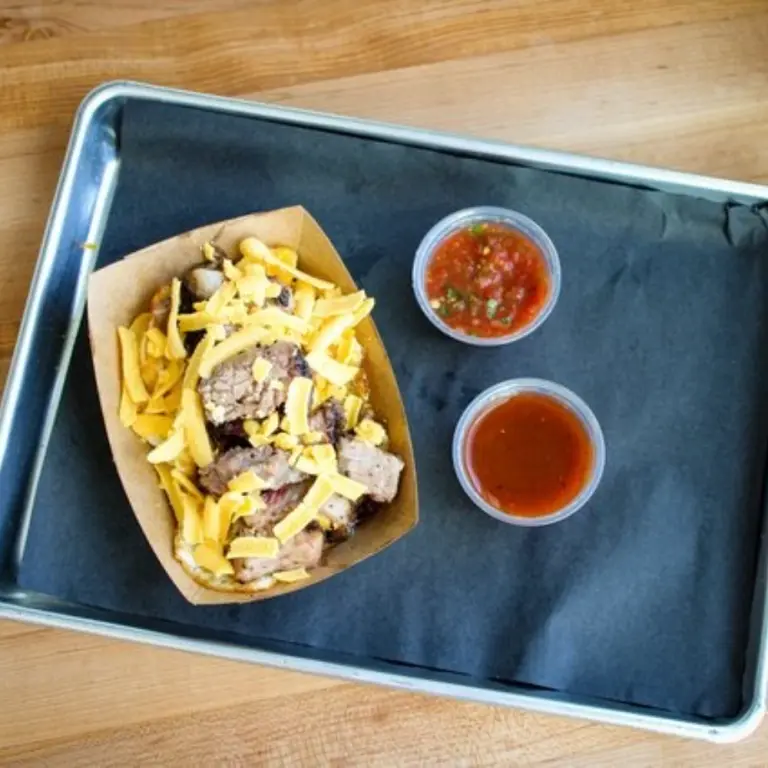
x: 529, y: 456
x: 487, y: 280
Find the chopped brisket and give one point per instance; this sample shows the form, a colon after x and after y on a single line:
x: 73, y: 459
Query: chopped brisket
x: 267, y: 462
x: 378, y: 470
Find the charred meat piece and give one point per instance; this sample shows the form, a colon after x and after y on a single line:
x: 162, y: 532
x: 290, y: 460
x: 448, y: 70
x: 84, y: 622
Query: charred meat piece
x: 284, y: 299
x: 203, y: 281
x: 269, y: 463
x: 231, y: 392
x: 329, y: 419
x: 279, y: 502
x: 304, y: 550
x: 378, y: 470
x: 366, y: 509
x: 230, y: 434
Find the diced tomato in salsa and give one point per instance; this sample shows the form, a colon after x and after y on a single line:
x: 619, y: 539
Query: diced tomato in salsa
x: 487, y: 280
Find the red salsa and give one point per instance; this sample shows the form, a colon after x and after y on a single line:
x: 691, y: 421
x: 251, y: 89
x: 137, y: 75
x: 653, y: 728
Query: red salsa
x: 529, y: 456
x: 487, y: 280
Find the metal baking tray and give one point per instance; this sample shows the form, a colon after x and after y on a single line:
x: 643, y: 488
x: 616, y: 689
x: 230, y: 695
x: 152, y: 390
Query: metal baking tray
x: 48, y: 330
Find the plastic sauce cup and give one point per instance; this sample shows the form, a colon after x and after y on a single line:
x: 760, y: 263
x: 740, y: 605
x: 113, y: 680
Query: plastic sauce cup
x: 467, y: 218
x: 500, y: 393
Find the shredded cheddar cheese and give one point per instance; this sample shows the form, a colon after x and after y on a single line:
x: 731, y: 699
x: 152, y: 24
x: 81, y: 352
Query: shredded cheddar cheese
x: 175, y: 346
x: 165, y: 393
x: 253, y: 546
x: 129, y: 348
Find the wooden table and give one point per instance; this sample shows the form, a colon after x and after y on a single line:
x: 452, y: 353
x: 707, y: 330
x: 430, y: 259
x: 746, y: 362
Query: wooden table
x: 663, y: 82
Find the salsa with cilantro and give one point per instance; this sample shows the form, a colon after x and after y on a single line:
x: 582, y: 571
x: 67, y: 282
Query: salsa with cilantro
x: 487, y: 280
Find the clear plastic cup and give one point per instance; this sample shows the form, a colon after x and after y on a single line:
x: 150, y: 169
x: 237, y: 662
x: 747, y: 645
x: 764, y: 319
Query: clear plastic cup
x: 501, y: 393
x: 467, y: 218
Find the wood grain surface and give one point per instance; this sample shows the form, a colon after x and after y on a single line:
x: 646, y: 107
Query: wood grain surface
x: 662, y: 82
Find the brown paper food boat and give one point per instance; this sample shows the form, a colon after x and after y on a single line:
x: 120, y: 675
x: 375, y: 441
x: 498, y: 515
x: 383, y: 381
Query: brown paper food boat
x: 119, y: 292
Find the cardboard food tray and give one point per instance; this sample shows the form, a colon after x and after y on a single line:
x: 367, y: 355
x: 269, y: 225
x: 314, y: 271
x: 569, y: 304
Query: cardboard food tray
x: 665, y: 565
x: 120, y: 292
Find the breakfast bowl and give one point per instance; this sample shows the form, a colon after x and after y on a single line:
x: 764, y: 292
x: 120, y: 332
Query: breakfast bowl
x: 529, y: 452
x: 486, y: 276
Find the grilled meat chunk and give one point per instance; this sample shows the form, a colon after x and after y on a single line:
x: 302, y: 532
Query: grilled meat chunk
x: 231, y: 392
x: 304, y: 550
x: 340, y: 511
x: 328, y: 419
x: 378, y: 470
x: 284, y: 300
x: 266, y: 461
x: 279, y: 502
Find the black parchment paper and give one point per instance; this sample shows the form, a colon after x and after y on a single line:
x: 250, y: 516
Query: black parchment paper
x: 643, y: 596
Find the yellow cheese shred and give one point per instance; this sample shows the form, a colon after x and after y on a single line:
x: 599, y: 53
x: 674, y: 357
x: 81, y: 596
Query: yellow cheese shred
x: 231, y: 272
x: 192, y: 373
x: 175, y: 347
x: 172, y: 491
x: 270, y: 424
x: 194, y: 428
x: 156, y: 342
x: 152, y: 427
x: 186, y: 485
x: 128, y: 411
x: 197, y: 321
x: 297, y: 405
x: 319, y: 493
x: 363, y: 311
x: 209, y: 558
x: 231, y: 346
x: 168, y: 450
x: 272, y: 317
x: 285, y: 441
x: 129, y: 350
x: 304, y: 300
x: 289, y: 577
x: 141, y: 324
x: 167, y: 378
x: 254, y: 249
x: 371, y: 431
x: 344, y: 486
x: 331, y: 332
x: 260, y: 369
x: 220, y: 299
x: 253, y: 546
x: 213, y: 517
x: 248, y: 506
x: 246, y: 482
x: 287, y: 256
x: 294, y: 522
x: 253, y: 288
x: 172, y: 400
x: 339, y: 305
x: 352, y: 406
x: 209, y: 253
x: 192, y: 524
x: 336, y: 372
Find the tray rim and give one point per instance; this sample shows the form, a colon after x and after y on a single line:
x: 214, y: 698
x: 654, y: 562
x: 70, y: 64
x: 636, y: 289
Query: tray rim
x: 117, y: 92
